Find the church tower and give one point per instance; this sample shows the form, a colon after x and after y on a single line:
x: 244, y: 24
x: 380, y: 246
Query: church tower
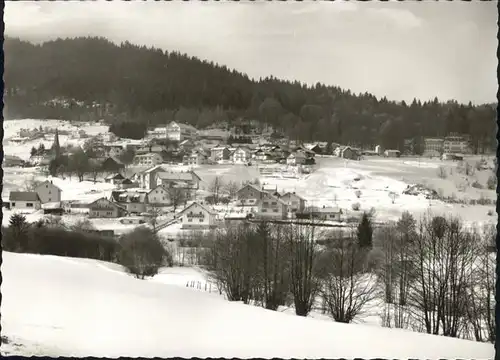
x: 56, y: 148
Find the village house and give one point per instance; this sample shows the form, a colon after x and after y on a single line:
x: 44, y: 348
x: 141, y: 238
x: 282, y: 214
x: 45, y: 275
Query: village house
x: 219, y: 153
x: 297, y: 158
x: 346, y: 152
x: 158, y: 196
x: 111, y: 165
x: 324, y: 213
x: 184, y: 180
x: 294, y: 202
x: 147, y: 178
x: 133, y: 202
x: 103, y: 208
x: 248, y: 195
x: 392, y: 153
x: 179, y: 132
x: 241, y: 155
x: 187, y: 145
x: 24, y: 200
x: 158, y: 133
x: 195, y: 158
x: 271, y: 206
x: 48, y: 192
x: 114, y: 179
x: 314, y: 148
x: 197, y: 216
x: 262, y: 155
x: 127, y: 183
x: 113, y: 150
x: 149, y: 159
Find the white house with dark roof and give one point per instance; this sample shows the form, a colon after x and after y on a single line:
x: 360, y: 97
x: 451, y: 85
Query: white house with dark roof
x: 48, y: 192
x: 187, y: 180
x: 198, y: 216
x: 24, y: 200
x: 178, y: 132
x: 159, y: 196
x: 296, y: 203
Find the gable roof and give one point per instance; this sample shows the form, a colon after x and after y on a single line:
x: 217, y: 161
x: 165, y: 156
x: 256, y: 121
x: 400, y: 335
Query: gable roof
x: 157, y: 187
x: 108, y: 201
x: 154, y: 168
x: 293, y: 194
x: 23, y: 196
x: 210, y: 211
x: 115, y: 177
x: 49, y: 183
x: 179, y: 176
x: 250, y: 185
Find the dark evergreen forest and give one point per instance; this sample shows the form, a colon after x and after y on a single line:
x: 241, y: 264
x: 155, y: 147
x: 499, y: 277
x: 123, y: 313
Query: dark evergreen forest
x: 89, y: 79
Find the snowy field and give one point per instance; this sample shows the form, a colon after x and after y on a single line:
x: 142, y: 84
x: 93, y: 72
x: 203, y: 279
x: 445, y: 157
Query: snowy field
x: 12, y: 127
x: 91, y: 308
x: 334, y: 183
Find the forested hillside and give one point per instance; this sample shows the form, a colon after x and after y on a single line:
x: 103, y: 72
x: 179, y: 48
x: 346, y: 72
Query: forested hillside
x: 92, y: 78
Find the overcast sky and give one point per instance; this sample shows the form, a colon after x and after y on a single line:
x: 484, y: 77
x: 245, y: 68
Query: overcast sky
x: 401, y: 50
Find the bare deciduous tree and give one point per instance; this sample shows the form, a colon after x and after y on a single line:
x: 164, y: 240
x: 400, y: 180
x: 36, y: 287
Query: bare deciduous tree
x: 305, y: 284
x: 215, y: 188
x: 347, y: 289
x: 177, y: 196
x: 232, y: 188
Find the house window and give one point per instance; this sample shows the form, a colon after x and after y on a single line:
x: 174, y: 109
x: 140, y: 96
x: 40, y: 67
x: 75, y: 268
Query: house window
x: 190, y: 220
x: 275, y: 210
x: 13, y: 204
x: 201, y: 220
x: 264, y: 210
x: 264, y: 203
x: 29, y: 204
x: 274, y: 203
x: 50, y: 192
x: 50, y: 199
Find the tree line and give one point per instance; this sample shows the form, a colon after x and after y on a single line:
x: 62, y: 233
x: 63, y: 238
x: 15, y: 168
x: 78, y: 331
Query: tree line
x: 139, y: 251
x: 434, y: 275
x: 134, y: 87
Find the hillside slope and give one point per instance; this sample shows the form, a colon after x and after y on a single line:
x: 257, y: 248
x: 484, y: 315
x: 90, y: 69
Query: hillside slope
x: 87, y: 79
x: 88, y: 308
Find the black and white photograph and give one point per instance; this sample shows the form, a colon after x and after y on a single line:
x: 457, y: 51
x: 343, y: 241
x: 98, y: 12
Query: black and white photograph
x: 250, y: 179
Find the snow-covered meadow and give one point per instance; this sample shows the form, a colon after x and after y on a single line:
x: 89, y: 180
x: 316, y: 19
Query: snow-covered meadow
x: 67, y: 137
x: 90, y: 308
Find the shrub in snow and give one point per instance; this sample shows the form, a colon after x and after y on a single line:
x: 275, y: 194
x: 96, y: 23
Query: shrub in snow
x: 356, y: 206
x: 477, y: 185
x: 358, y: 193
x: 492, y: 182
x: 393, y: 196
x: 142, y: 252
x: 441, y: 172
x: 490, y: 212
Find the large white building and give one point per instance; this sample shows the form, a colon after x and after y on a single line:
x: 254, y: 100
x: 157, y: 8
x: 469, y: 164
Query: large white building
x: 433, y: 146
x: 455, y: 145
x: 179, y: 132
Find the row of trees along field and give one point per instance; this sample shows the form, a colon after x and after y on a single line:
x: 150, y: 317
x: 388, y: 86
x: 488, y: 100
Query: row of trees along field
x: 435, y: 275
x: 128, y: 84
x: 140, y: 251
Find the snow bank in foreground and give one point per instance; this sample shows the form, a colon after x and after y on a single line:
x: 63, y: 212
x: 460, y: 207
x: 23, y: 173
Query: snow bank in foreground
x: 87, y: 308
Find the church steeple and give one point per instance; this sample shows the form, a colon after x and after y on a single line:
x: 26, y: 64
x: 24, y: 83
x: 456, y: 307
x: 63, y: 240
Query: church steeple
x: 56, y: 148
